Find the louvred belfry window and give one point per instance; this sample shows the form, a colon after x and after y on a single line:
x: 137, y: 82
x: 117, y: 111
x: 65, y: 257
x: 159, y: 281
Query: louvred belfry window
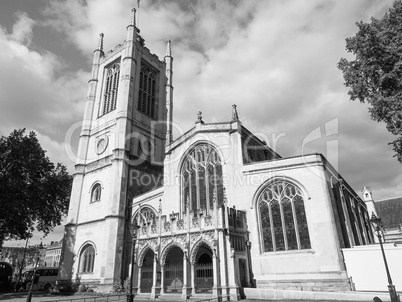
x: 147, y: 92
x: 111, y: 89
x: 282, y: 218
x: 201, y: 176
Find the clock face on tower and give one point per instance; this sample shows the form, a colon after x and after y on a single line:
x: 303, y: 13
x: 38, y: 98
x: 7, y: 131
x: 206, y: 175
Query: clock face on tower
x: 101, y: 145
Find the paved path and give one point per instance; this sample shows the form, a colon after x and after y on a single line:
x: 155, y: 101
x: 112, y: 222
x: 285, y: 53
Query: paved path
x: 40, y: 296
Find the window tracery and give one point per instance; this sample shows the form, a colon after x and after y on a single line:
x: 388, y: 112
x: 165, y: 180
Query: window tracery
x: 282, y: 218
x: 87, y: 259
x: 147, y: 92
x: 201, y: 174
x: 145, y: 217
x: 111, y: 89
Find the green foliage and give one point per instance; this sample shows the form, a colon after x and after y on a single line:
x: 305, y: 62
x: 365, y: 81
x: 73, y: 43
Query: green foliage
x: 375, y: 75
x: 20, y: 257
x: 119, y: 287
x: 33, y: 191
x: 82, y: 288
x: 127, y: 285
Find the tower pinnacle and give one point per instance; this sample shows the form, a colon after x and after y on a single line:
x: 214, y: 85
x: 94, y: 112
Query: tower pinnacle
x: 169, y: 92
x: 132, y: 21
x: 235, y: 116
x: 168, y: 49
x: 100, y: 44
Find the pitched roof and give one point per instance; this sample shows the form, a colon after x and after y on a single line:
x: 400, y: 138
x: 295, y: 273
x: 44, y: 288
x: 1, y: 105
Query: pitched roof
x: 390, y: 212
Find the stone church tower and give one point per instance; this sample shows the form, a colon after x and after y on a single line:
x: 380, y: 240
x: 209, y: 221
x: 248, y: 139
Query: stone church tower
x: 128, y: 112
x: 217, y: 211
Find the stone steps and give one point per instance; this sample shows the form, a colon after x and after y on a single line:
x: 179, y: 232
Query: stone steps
x: 174, y: 297
x: 169, y: 297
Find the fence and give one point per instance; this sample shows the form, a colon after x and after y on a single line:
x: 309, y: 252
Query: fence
x: 217, y: 299
x: 107, y: 298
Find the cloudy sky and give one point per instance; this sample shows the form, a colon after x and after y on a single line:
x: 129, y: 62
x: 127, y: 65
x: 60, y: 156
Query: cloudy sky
x: 275, y: 59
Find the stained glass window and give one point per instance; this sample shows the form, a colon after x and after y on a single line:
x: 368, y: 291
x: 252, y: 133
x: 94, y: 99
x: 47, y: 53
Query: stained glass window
x: 87, y: 259
x: 283, y: 218
x: 201, y: 174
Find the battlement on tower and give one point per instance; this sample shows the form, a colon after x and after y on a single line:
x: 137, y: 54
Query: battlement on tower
x: 141, y: 48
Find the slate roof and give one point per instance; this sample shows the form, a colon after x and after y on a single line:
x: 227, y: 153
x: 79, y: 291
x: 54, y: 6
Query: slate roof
x: 390, y: 212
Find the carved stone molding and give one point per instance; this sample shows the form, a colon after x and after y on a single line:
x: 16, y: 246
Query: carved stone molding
x: 208, y: 220
x: 167, y: 226
x: 119, y: 153
x: 202, y: 240
x: 106, y: 125
x: 181, y: 239
x: 142, y: 254
x: 79, y: 168
x: 165, y: 241
x: 167, y: 248
x: 194, y: 237
x: 209, y: 235
x: 144, y: 230
x: 149, y: 129
x: 180, y: 224
x: 98, y: 164
x: 195, y: 222
x: 125, y: 77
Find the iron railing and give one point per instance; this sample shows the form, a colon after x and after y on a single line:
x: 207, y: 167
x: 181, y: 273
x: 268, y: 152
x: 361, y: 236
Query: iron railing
x: 215, y: 299
x: 107, y: 298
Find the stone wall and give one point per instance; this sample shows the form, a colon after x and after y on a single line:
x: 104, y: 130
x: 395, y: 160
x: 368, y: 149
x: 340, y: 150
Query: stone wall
x: 331, y: 285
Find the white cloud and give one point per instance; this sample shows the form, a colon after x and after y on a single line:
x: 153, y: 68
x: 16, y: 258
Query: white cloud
x: 33, y: 97
x: 275, y: 59
x: 22, y: 29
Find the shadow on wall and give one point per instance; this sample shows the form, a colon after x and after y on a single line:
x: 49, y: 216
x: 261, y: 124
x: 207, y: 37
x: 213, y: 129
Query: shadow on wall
x: 64, y: 281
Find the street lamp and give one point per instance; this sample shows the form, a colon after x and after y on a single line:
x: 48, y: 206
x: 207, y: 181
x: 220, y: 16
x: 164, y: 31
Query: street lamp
x: 377, y: 226
x: 133, y: 230
x: 29, y: 296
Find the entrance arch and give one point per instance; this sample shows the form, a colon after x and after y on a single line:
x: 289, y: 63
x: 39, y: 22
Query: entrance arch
x: 173, y: 270
x: 203, y: 270
x: 147, y: 272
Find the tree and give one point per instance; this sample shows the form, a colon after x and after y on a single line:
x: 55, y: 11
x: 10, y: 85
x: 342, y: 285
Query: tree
x: 20, y: 257
x: 34, y: 193
x: 375, y: 75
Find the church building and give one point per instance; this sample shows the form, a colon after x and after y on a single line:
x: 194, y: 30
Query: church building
x: 214, y: 211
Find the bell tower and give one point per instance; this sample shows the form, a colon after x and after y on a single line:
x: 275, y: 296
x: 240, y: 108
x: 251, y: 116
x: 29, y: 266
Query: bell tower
x: 125, y: 127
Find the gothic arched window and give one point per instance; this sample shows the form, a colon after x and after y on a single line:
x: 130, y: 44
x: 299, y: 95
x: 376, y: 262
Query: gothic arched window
x: 146, y: 216
x: 146, y: 219
x: 282, y: 218
x: 112, y: 86
x: 87, y: 259
x: 147, y: 92
x: 96, y: 192
x: 201, y: 175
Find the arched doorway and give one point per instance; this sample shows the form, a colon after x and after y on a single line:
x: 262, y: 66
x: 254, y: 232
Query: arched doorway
x: 147, y: 272
x: 173, y: 271
x: 204, y: 277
